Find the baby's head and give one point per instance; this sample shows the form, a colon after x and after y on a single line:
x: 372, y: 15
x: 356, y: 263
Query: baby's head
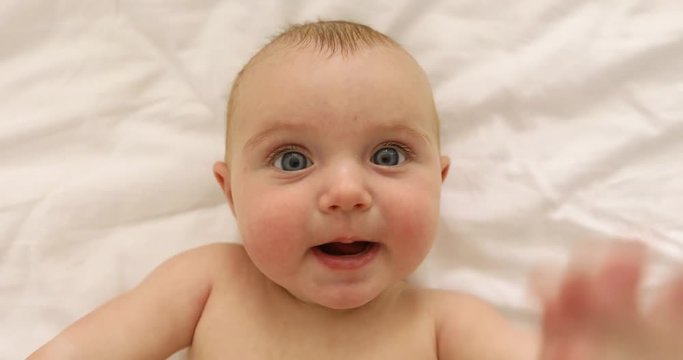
x: 333, y: 169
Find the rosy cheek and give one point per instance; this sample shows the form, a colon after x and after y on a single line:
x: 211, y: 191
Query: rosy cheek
x: 416, y: 223
x: 274, y: 225
x: 414, y: 214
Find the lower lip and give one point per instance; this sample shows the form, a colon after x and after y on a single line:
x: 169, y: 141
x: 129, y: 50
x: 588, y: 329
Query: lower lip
x: 347, y: 262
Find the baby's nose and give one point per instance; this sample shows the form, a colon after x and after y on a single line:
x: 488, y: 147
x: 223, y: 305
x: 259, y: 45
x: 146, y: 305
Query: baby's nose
x: 346, y: 191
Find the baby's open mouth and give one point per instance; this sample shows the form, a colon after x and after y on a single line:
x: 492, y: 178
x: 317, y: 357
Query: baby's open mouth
x: 346, y: 249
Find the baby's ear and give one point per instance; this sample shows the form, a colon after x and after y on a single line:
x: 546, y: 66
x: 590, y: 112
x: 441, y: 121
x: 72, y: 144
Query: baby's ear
x: 445, y: 166
x: 222, y: 173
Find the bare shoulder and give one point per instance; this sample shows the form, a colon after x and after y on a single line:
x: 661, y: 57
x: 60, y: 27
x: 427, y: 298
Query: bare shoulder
x: 469, y: 328
x: 154, y: 319
x: 459, y: 307
x: 211, y: 257
x: 198, y: 268
x: 461, y: 313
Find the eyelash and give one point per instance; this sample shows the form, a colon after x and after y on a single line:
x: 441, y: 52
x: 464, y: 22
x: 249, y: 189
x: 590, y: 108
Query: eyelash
x: 279, y: 151
x: 409, y: 153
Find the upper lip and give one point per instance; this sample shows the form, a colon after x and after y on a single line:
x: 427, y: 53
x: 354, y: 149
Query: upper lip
x: 345, y: 239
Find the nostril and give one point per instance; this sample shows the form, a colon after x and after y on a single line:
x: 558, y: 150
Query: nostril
x: 345, y: 202
x: 354, y: 207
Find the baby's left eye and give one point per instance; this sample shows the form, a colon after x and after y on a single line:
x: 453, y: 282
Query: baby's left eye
x: 388, y: 156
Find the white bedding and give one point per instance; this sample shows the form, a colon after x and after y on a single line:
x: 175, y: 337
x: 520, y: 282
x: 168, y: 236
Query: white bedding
x: 564, y: 120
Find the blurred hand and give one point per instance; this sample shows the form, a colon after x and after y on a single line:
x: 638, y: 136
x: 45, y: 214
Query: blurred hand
x: 594, y: 311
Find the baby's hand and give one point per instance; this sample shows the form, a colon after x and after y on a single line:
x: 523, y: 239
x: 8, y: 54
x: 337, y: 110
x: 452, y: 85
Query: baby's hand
x: 595, y: 314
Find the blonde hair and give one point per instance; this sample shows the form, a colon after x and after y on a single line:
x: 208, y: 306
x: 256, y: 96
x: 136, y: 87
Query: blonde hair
x: 328, y: 37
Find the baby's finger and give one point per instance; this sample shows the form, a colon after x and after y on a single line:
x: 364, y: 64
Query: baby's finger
x: 575, y: 299
x: 617, y: 280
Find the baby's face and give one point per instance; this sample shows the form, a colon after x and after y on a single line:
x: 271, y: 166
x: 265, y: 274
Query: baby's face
x: 335, y: 172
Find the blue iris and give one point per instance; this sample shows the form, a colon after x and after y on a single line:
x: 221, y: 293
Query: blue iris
x: 292, y: 161
x: 387, y: 156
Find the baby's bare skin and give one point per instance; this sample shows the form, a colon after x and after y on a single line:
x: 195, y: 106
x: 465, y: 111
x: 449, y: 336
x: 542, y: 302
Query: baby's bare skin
x: 402, y: 323
x: 232, y: 311
x: 213, y: 300
x: 274, y: 324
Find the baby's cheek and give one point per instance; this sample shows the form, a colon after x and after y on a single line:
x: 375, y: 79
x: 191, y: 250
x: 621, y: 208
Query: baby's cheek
x: 415, y: 214
x: 274, y: 228
x: 415, y: 233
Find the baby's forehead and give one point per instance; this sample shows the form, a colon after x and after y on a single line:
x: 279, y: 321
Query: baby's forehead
x: 274, y: 56
x: 303, y: 82
x: 380, y: 73
x: 284, y: 67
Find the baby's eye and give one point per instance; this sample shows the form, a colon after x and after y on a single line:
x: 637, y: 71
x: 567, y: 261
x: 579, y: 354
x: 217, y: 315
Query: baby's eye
x: 388, y: 156
x: 291, y: 161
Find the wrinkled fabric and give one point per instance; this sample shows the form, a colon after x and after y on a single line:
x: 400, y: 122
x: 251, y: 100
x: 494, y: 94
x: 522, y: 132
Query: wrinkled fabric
x: 563, y: 119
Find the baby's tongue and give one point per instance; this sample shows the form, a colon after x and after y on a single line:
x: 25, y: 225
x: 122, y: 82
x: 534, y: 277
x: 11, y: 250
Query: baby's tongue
x: 338, y: 248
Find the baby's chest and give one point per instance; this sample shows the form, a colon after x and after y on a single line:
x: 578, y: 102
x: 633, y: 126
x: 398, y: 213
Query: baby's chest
x: 259, y: 347
x: 247, y: 334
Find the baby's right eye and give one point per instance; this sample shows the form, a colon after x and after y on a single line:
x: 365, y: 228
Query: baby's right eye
x: 291, y: 161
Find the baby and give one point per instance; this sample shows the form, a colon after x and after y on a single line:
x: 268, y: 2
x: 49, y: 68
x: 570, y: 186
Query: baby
x: 333, y: 172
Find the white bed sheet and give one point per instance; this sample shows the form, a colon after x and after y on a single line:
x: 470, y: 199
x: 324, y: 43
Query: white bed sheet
x: 564, y: 120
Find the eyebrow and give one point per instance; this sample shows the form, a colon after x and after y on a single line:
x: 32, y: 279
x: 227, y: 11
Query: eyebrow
x: 255, y: 140
x: 410, y: 130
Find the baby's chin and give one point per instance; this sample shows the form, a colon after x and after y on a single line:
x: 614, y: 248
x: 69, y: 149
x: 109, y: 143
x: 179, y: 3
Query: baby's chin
x: 342, y: 299
x: 346, y: 302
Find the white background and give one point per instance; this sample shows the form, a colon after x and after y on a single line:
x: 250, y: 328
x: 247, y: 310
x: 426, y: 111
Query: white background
x: 564, y: 120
